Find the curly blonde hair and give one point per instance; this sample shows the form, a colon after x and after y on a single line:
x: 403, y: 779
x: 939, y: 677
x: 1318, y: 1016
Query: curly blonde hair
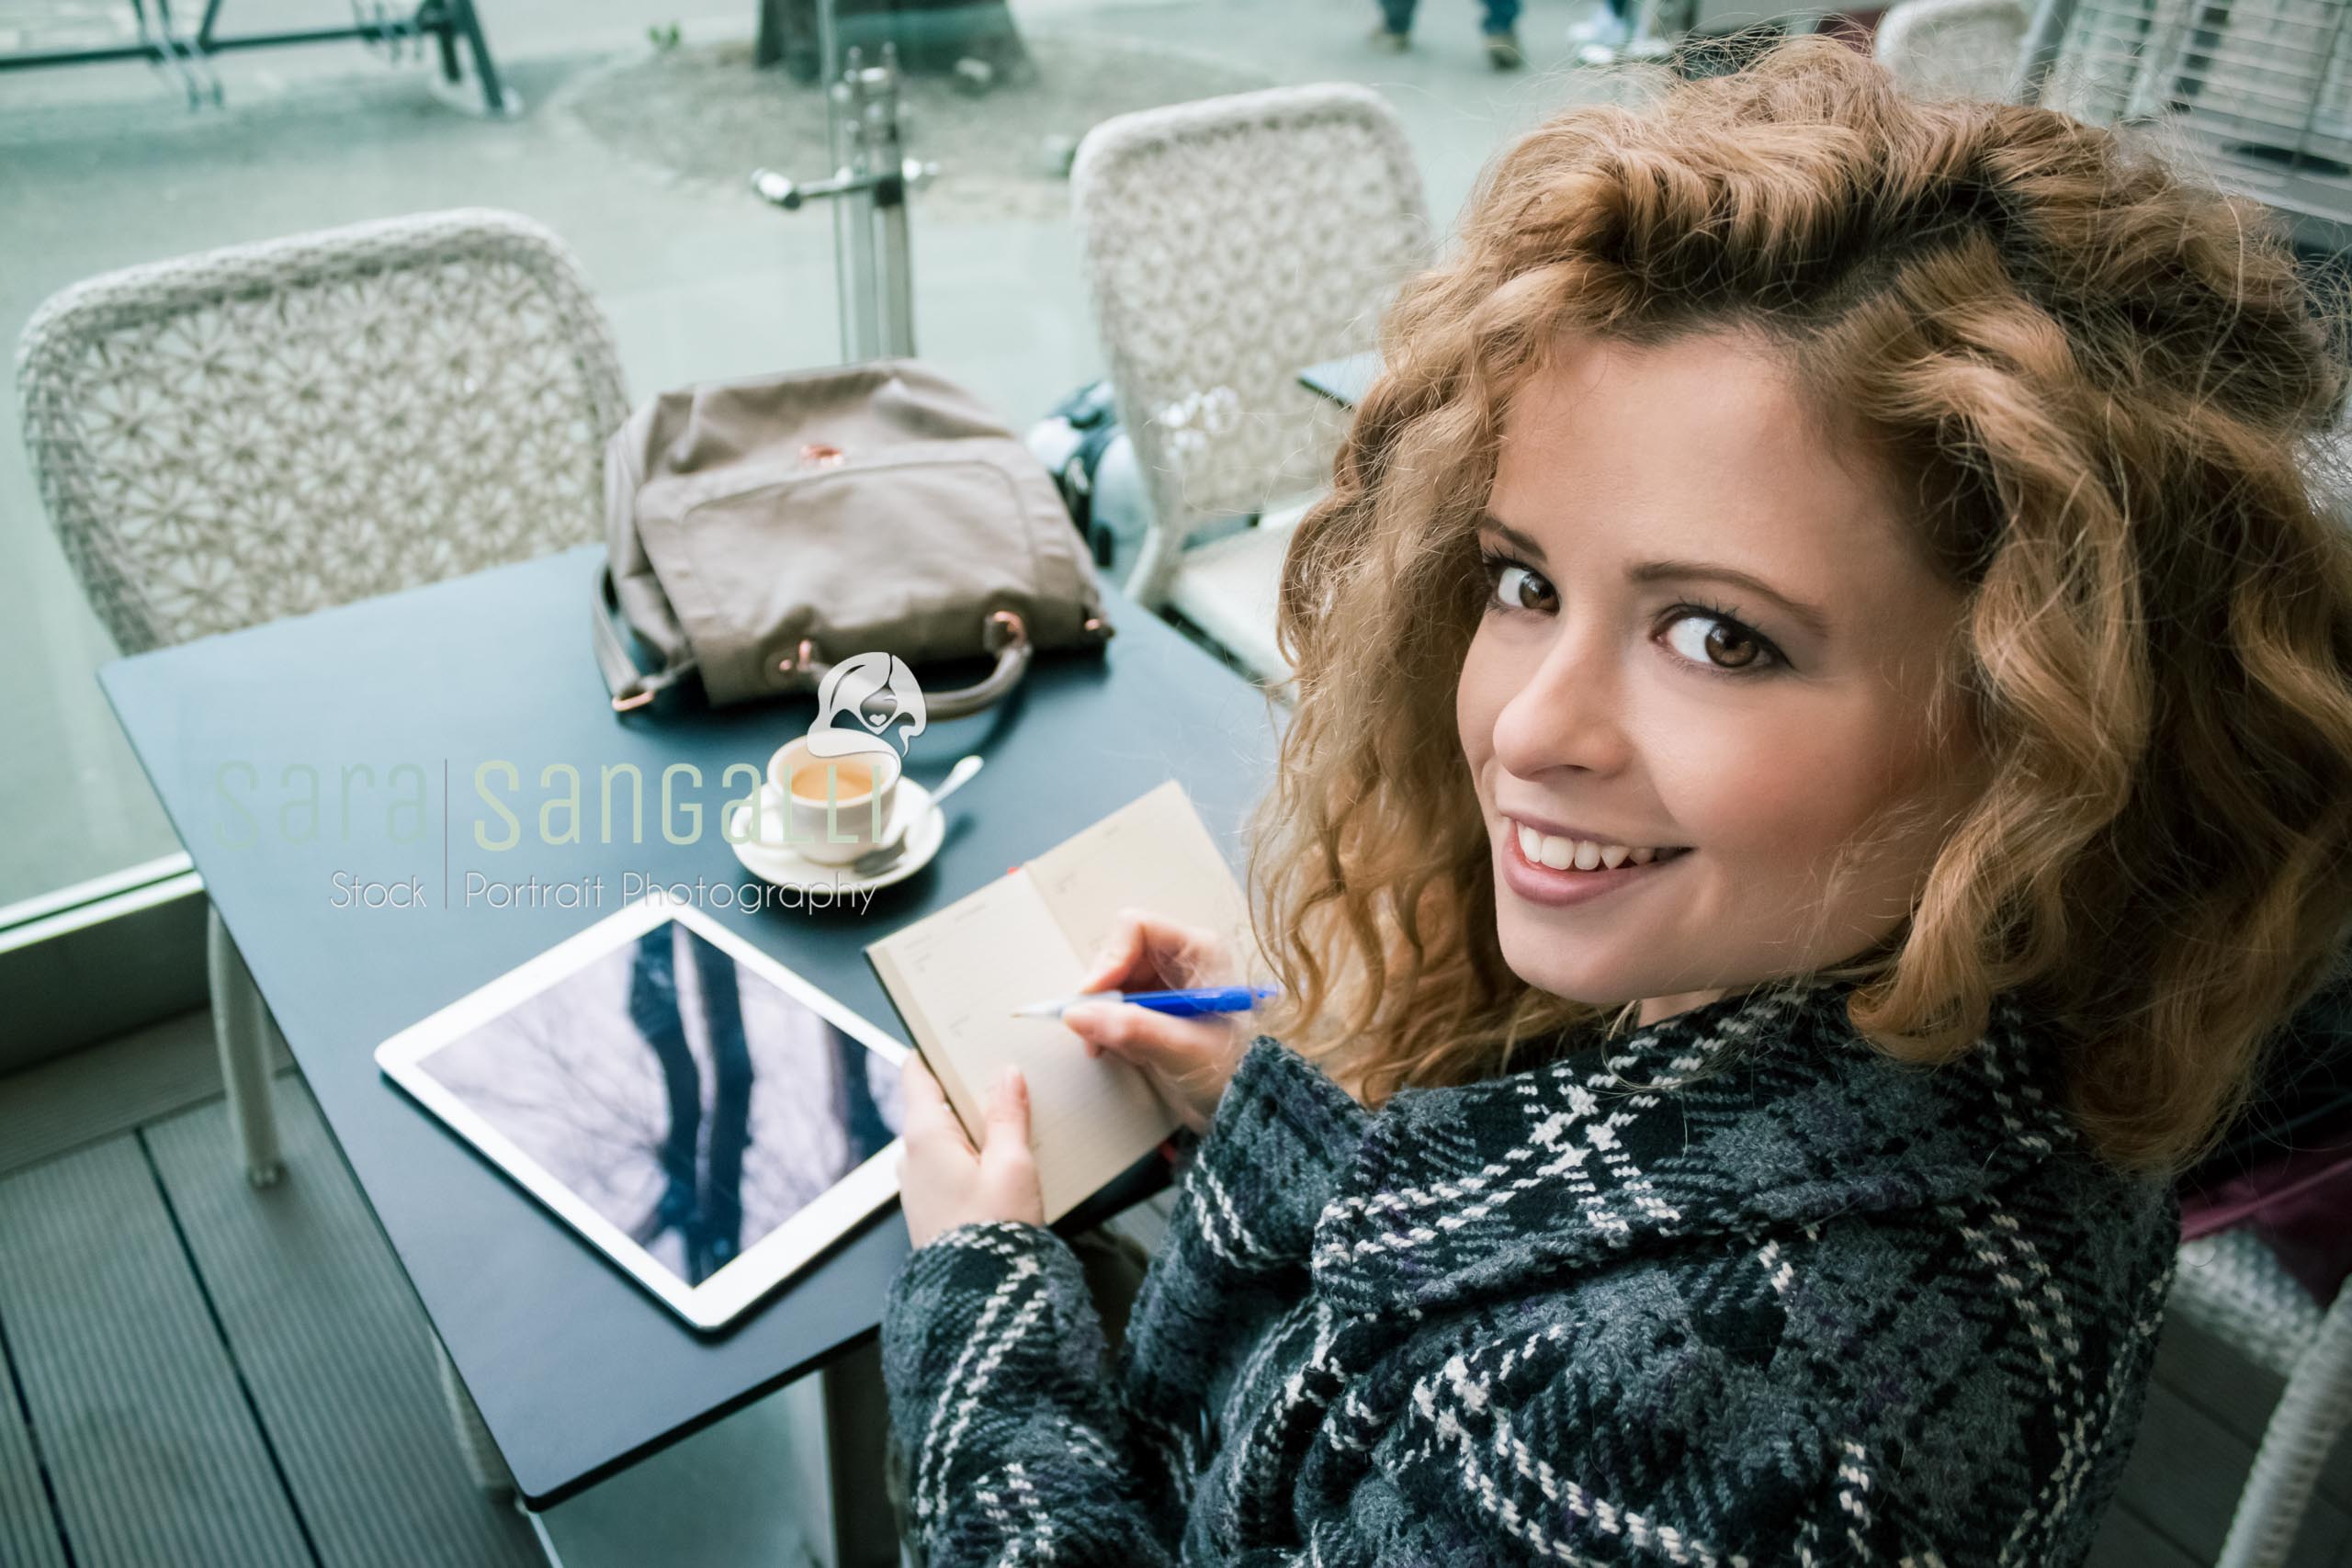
x: 2111, y: 395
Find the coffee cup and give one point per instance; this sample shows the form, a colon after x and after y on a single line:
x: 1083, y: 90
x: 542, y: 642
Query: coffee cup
x: 831, y: 809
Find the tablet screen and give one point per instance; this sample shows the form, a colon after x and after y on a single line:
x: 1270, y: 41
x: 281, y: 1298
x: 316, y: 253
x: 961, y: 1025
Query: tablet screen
x: 686, y: 1097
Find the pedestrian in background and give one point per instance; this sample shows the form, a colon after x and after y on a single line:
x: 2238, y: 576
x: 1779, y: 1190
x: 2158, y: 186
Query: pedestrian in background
x: 1396, y: 30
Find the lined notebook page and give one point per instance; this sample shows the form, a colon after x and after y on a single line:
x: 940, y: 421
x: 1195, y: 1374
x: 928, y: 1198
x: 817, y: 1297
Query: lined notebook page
x: 956, y: 975
x: 1156, y: 854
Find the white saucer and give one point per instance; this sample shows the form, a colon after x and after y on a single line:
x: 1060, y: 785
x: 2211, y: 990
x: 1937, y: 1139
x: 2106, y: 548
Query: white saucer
x: 770, y: 859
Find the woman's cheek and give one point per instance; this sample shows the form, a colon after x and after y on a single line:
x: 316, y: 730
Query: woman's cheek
x: 1771, y: 781
x: 1474, y: 702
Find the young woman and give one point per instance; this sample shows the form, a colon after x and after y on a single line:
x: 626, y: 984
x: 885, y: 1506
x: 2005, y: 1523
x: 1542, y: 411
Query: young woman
x: 1723, y: 1097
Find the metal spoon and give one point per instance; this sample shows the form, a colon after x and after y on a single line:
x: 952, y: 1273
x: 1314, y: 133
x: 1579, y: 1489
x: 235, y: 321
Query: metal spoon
x: 883, y: 857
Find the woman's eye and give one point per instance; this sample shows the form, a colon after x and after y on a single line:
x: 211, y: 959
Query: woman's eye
x: 1713, y: 639
x: 1717, y: 640
x: 1516, y: 588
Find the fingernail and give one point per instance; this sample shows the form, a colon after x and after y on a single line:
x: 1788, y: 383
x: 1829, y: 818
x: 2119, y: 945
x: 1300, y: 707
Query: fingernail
x: 1083, y: 1016
x: 1009, y: 1080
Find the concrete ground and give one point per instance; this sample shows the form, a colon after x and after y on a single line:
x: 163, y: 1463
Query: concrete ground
x: 102, y: 167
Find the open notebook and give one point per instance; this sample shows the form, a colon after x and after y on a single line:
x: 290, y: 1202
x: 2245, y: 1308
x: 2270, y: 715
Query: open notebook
x: 955, y: 977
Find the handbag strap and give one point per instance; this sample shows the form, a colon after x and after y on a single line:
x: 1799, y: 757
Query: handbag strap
x: 1005, y: 634
x: 629, y: 686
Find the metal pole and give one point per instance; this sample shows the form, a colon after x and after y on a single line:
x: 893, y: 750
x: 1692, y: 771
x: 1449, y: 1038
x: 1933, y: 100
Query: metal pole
x: 874, y: 269
x: 893, y: 263
x: 860, y: 339
x: 831, y: 73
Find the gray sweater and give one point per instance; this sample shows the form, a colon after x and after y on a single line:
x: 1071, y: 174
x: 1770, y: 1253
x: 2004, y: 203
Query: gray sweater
x: 1793, y: 1302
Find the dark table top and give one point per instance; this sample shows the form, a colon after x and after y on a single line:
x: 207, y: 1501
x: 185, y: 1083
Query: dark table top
x: 302, y: 760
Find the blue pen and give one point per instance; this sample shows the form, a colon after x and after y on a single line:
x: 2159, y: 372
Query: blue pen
x: 1181, y: 1004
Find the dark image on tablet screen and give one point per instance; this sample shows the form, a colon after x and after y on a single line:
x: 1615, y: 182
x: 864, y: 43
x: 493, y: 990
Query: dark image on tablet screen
x: 694, y: 1103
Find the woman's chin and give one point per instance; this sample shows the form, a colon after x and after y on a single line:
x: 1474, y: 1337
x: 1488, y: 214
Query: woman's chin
x: 1596, y: 979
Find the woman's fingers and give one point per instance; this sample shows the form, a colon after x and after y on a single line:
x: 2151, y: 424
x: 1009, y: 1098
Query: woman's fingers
x: 928, y: 1114
x: 1187, y: 1060
x: 1008, y: 1126
x: 1119, y: 952
x: 943, y: 1184
x: 1008, y: 1167
x: 1145, y: 952
x: 921, y: 1091
x: 1147, y: 1038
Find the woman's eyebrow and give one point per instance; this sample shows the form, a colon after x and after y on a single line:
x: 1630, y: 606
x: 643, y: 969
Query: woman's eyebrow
x: 1805, y: 614
x: 1524, y: 544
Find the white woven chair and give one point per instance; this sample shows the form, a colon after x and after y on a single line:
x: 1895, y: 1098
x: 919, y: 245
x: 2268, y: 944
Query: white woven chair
x: 1954, y: 48
x: 2232, y: 1286
x: 230, y: 437
x: 1229, y: 244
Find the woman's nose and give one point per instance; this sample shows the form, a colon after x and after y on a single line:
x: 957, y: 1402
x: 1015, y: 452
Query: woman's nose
x: 1565, y: 713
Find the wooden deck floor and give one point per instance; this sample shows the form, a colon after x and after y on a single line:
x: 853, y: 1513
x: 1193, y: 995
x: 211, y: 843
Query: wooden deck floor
x: 199, y: 1373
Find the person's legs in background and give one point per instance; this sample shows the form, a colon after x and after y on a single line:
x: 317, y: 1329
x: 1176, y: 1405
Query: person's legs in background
x: 1502, y: 37
x: 1606, y: 26
x: 1396, y: 30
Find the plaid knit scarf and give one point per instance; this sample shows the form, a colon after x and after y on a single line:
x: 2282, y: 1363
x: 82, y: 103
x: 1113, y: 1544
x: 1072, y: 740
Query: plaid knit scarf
x: 1734, y: 1288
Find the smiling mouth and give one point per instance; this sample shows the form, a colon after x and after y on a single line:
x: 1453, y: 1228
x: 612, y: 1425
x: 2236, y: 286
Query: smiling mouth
x: 1556, y: 853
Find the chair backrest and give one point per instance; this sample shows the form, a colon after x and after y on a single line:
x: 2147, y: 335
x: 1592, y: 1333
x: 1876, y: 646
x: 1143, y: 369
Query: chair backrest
x: 1231, y: 243
x: 1954, y: 48
x: 244, y: 434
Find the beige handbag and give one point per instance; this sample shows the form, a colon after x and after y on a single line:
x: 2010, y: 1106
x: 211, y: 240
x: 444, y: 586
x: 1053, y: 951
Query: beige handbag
x: 758, y: 531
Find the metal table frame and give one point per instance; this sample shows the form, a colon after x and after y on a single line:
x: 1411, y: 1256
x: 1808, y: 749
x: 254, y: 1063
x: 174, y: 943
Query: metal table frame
x: 447, y: 22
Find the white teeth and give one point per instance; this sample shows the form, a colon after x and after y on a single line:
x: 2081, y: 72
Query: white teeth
x: 1585, y: 854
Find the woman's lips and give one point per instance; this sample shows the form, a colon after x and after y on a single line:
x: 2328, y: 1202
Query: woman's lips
x: 1541, y: 884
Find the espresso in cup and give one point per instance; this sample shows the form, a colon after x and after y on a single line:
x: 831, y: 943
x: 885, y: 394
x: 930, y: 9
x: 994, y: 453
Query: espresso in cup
x: 839, y: 778
x: 827, y: 809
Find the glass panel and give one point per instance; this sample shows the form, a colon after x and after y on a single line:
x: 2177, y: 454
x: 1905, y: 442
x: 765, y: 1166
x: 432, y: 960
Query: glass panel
x: 631, y: 129
x: 626, y: 132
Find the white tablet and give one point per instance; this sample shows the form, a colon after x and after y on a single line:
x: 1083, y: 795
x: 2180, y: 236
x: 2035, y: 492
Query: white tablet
x: 704, y: 1115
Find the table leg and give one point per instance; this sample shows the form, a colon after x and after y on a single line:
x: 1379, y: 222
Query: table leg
x: 475, y: 1445
x: 242, y: 1029
x: 865, y: 1528
x: 469, y: 23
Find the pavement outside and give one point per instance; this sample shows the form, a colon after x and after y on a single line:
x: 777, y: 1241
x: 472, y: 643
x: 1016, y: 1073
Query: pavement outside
x: 687, y: 114
x: 624, y: 149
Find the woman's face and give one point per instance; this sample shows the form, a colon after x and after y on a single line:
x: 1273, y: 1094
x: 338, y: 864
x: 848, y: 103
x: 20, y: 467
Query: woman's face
x: 1705, y: 663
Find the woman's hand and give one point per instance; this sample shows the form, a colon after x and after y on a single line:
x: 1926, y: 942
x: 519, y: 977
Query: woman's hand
x: 1187, y: 1060
x: 943, y: 1183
